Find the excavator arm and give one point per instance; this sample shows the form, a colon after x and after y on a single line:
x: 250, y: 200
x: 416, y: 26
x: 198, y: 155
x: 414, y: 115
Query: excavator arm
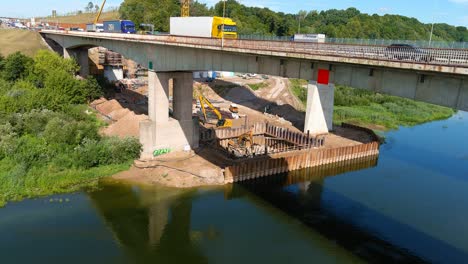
x: 221, y: 121
x: 100, y: 12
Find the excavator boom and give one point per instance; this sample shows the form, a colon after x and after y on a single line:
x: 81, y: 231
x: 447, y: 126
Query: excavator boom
x: 185, y: 8
x: 100, y: 12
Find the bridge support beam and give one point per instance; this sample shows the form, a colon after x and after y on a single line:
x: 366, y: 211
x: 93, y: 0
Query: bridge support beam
x: 161, y: 131
x: 319, y: 111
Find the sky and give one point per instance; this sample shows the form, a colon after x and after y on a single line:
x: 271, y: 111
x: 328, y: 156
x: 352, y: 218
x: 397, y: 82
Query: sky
x: 453, y: 12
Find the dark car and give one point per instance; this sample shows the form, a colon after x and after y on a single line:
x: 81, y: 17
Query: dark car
x: 407, y: 52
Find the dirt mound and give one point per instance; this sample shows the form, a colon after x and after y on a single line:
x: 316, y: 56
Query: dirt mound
x: 240, y: 95
x: 119, y: 114
x: 128, y: 125
x: 107, y: 107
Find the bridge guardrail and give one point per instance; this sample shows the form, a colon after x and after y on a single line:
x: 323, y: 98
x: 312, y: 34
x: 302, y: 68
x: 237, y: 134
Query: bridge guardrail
x: 430, y: 56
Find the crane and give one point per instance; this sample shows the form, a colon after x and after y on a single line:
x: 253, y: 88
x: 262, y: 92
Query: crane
x: 185, y: 8
x: 222, y: 122
x: 100, y: 12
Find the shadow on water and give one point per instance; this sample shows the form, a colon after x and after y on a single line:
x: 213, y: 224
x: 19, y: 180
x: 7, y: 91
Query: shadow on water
x: 299, y: 194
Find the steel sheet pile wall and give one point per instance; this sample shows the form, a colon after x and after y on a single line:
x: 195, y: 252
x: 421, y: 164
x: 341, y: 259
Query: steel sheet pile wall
x: 284, y: 162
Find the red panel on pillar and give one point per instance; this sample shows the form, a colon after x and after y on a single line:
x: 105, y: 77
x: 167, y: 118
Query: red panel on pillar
x: 323, y: 76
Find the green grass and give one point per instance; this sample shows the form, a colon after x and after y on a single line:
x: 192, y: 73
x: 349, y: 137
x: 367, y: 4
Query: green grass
x: 376, y: 111
x: 25, y: 41
x: 258, y: 86
x: 297, y: 88
x: 16, y: 185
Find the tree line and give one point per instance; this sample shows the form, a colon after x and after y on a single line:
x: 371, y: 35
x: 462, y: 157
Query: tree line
x: 349, y: 23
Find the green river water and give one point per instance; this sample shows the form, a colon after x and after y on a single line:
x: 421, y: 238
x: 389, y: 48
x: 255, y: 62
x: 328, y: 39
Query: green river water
x: 409, y: 206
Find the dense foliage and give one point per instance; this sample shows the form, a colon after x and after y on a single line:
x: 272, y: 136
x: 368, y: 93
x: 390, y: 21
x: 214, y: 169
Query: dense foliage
x: 49, y: 138
x: 349, y: 23
x: 375, y: 110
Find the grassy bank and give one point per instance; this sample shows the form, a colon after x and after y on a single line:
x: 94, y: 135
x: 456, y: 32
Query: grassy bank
x: 374, y: 110
x: 258, y: 86
x: 81, y: 18
x: 25, y: 41
x: 47, y: 180
x: 49, y: 137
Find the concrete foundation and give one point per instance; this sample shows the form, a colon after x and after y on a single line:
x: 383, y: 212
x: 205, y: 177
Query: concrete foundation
x: 319, y: 111
x: 161, y: 131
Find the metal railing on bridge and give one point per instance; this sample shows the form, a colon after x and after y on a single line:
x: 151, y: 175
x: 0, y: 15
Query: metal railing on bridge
x: 369, y: 42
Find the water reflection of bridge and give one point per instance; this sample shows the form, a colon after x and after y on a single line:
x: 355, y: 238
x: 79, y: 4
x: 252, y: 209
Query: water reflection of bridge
x: 156, y: 225
x: 150, y: 225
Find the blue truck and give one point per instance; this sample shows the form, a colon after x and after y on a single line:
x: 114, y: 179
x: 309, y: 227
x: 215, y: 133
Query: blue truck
x: 119, y: 26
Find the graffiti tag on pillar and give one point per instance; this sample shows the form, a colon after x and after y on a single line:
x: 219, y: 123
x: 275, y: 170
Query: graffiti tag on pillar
x: 159, y: 152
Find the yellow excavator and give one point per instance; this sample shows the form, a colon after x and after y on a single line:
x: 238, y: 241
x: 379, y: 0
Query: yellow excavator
x: 243, y: 145
x: 222, y: 122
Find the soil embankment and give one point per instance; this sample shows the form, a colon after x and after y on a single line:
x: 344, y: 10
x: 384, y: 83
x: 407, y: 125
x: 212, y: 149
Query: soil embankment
x: 25, y: 41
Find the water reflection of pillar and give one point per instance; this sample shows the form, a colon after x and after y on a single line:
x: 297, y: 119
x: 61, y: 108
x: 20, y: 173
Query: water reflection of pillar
x: 158, y: 215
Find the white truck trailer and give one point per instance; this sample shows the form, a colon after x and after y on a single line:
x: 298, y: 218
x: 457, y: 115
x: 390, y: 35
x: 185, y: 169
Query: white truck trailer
x: 317, y: 38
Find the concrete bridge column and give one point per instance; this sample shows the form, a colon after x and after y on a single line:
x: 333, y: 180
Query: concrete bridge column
x: 82, y: 58
x: 161, y: 131
x: 319, y: 111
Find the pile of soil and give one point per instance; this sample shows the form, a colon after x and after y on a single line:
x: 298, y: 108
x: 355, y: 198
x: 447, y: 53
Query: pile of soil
x: 123, y: 122
x: 106, y: 107
x: 128, y: 125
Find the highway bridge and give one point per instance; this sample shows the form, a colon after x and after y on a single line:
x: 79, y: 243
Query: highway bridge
x: 438, y: 76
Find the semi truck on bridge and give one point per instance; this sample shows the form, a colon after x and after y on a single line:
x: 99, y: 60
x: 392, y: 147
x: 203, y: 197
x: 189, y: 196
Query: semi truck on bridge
x: 205, y: 27
x: 119, y: 26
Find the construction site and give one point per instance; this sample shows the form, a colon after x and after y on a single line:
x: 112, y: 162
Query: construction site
x: 243, y: 133
x: 246, y: 126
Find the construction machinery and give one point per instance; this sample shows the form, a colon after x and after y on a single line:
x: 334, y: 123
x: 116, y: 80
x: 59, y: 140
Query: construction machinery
x: 222, y: 122
x: 95, y: 27
x: 100, y: 12
x: 243, y: 145
x: 184, y: 8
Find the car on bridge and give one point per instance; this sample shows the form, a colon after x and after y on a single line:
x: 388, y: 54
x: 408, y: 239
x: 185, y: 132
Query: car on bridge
x: 407, y: 52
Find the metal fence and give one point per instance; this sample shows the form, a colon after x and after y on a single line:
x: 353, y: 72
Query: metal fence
x: 369, y: 42
x: 387, y: 42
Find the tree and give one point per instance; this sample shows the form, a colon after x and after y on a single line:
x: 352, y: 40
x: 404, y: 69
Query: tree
x: 89, y: 7
x: 96, y: 7
x: 15, y: 66
x: 348, y: 23
x: 2, y: 61
x: 301, y: 15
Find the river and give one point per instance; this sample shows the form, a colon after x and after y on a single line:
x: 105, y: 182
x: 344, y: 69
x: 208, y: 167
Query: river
x: 409, y: 206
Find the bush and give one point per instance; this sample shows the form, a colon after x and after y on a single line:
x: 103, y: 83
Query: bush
x: 93, y: 153
x: 15, y: 66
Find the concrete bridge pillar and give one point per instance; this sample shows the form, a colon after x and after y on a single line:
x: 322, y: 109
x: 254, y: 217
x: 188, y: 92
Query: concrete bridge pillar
x: 319, y: 111
x: 161, y: 131
x: 82, y: 58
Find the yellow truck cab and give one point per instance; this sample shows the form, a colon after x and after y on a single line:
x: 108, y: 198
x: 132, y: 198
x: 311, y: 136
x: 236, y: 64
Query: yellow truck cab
x: 230, y: 28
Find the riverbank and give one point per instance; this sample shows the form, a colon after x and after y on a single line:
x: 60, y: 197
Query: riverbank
x: 42, y: 181
x: 376, y: 111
